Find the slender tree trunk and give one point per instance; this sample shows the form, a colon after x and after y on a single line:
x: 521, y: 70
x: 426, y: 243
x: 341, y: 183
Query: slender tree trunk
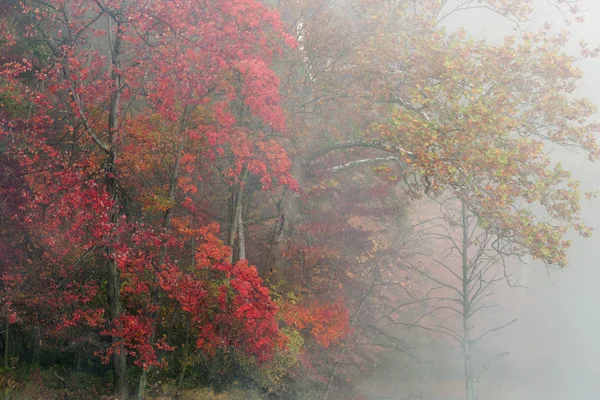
x: 188, y: 330
x: 114, y: 279
x: 241, y: 237
x: 172, y: 324
x: 120, y: 355
x: 6, y: 327
x: 525, y: 274
x: 186, y: 352
x: 466, y: 303
x: 269, y: 266
x: 113, y: 287
x: 114, y: 298
x: 290, y: 217
x: 237, y: 216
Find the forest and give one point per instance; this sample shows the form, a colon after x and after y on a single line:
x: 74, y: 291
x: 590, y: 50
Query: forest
x: 299, y: 199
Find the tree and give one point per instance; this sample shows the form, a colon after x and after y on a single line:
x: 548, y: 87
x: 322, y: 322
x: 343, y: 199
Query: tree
x: 96, y: 81
x: 455, y: 284
x: 442, y: 113
x: 154, y: 151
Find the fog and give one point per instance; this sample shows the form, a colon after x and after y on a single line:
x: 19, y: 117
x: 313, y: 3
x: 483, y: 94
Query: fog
x: 566, y: 300
x: 554, y: 346
x: 298, y: 200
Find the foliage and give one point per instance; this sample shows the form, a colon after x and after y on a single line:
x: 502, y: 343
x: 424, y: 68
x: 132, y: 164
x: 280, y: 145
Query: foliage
x: 221, y: 193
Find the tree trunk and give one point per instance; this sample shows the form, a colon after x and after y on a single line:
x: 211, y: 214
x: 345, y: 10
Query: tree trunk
x: 186, y: 352
x: 188, y: 330
x: 237, y: 216
x: 6, y: 327
x: 115, y: 310
x: 289, y: 217
x: 241, y: 237
x: 113, y: 287
x: 466, y: 303
x: 120, y: 355
x: 114, y: 279
x: 142, y: 385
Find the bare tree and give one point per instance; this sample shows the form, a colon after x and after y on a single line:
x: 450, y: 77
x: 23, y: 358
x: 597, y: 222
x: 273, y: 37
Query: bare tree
x: 456, y: 284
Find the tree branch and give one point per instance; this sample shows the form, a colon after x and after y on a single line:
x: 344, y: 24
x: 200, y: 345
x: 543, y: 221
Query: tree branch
x: 358, y: 163
x: 359, y: 143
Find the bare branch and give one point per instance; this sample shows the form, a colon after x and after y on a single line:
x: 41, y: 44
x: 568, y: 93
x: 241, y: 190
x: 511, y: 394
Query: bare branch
x: 480, y: 371
x: 359, y: 143
x: 498, y: 328
x: 358, y: 163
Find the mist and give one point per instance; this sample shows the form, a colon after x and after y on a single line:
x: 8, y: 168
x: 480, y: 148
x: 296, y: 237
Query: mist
x: 554, y: 351
x: 299, y: 199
